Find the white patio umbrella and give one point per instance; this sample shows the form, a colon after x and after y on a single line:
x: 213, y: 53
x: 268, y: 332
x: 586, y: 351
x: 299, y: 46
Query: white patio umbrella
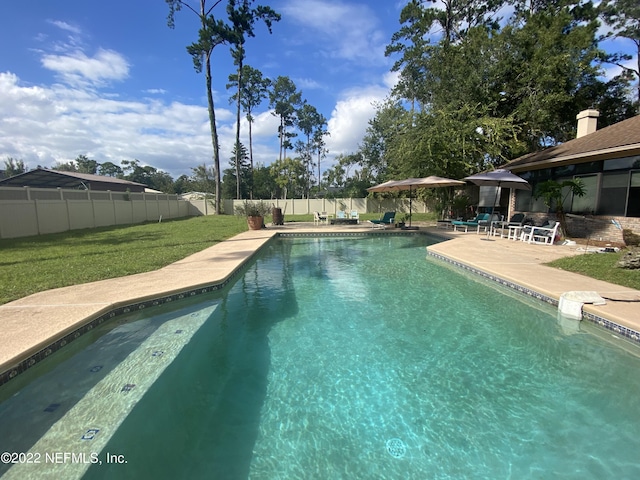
x: 411, y: 183
x: 498, y: 178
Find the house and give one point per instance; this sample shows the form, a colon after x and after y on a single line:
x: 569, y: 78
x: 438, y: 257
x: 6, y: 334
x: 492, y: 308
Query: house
x: 45, y: 178
x: 608, y: 163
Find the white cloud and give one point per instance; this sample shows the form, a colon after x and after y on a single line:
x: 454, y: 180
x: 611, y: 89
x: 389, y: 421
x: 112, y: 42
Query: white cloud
x: 66, y: 26
x: 264, y: 134
x: 77, y: 69
x: 72, y: 40
x: 45, y: 125
x: 265, y: 125
x: 307, y: 84
x: 350, y: 117
x: 348, y: 31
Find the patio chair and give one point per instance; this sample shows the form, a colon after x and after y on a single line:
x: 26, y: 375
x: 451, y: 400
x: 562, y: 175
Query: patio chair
x: 319, y: 218
x: 513, y: 226
x: 516, y: 220
x: 341, y: 214
x: 355, y: 216
x: 486, y: 224
x: 387, y: 219
x: 469, y: 223
x: 545, y: 235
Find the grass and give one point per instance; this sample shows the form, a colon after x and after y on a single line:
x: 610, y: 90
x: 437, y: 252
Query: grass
x: 601, y: 266
x: 33, y: 264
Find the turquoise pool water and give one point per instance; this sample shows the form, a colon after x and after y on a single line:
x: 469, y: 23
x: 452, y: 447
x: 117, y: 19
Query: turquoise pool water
x: 343, y: 358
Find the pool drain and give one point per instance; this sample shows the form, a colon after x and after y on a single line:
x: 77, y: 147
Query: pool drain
x: 396, y: 447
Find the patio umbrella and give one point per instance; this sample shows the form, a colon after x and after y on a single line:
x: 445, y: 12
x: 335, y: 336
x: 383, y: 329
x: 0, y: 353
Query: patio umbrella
x: 498, y: 178
x: 411, y: 183
x: 383, y: 187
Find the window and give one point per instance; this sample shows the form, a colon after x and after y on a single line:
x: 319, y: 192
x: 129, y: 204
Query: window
x: 622, y: 163
x: 564, y: 171
x: 588, y: 167
x: 633, y: 206
x: 523, y: 201
x: 613, y: 194
x: 489, y: 196
x: 586, y: 204
x: 526, y: 203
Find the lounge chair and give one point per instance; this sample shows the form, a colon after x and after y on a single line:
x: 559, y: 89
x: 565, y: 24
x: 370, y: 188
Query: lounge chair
x: 387, y: 219
x: 545, y: 234
x: 516, y: 220
x: 355, y: 216
x: 341, y: 214
x: 481, y: 217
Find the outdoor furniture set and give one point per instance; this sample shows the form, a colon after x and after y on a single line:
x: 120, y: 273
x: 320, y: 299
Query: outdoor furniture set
x: 341, y: 218
x: 515, y: 228
x: 482, y: 221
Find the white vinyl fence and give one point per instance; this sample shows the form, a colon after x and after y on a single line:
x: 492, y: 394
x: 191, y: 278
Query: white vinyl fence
x: 26, y: 211
x: 333, y: 205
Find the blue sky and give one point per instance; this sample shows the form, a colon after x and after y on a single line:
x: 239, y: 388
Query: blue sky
x: 111, y: 81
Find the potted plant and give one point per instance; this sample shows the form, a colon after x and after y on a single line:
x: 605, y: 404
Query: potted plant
x: 255, y: 213
x: 400, y: 220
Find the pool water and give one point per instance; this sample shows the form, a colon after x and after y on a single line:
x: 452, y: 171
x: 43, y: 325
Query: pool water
x: 350, y: 358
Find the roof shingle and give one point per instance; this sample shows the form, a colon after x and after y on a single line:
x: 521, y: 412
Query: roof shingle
x: 623, y: 136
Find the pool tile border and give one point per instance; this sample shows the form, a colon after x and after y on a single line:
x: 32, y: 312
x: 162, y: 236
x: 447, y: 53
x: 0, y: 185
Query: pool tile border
x: 621, y: 330
x: 373, y: 233
x: 347, y: 234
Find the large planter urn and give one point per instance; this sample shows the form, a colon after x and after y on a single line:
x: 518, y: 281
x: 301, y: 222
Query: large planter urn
x: 255, y: 222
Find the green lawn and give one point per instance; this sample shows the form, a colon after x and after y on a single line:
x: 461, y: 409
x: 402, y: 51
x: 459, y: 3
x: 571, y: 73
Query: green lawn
x: 33, y: 264
x: 601, y: 266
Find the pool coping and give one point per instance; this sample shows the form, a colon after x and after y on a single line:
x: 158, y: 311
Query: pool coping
x: 238, y: 251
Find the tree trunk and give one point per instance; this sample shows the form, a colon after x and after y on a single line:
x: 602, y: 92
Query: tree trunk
x: 319, y: 153
x: 214, y: 134
x: 560, y: 216
x: 238, y: 131
x: 281, y: 136
x: 250, y: 154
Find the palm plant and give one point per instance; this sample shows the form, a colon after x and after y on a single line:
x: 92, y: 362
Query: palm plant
x: 554, y: 194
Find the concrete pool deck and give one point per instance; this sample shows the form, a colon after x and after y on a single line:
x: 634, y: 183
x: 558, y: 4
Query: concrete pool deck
x: 35, y: 322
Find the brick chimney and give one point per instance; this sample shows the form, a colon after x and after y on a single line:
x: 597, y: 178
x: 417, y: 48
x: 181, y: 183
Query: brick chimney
x: 587, y: 122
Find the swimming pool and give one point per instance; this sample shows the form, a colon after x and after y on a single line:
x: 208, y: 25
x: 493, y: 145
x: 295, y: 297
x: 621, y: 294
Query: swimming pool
x: 338, y: 358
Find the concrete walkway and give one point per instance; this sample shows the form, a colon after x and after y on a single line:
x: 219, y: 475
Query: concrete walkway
x: 33, y: 323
